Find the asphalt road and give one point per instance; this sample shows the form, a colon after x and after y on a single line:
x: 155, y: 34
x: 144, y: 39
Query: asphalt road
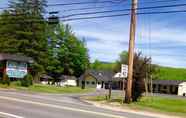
x: 15, y: 104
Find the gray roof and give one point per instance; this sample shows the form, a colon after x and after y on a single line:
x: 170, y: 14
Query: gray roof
x: 99, y: 75
x: 67, y: 77
x: 168, y: 82
x: 15, y: 57
x: 45, y: 77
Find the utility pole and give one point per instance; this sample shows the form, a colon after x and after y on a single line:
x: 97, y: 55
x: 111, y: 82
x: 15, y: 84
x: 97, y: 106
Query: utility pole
x: 128, y: 95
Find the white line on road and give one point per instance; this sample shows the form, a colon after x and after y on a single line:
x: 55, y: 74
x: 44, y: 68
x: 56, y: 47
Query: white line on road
x: 46, y: 98
x: 62, y: 107
x: 10, y: 115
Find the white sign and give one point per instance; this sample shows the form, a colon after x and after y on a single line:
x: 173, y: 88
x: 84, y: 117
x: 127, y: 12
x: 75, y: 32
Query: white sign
x: 124, y: 70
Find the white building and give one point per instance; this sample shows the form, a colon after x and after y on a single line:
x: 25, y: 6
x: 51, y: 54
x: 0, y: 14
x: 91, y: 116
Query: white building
x: 182, y: 89
x: 68, y: 80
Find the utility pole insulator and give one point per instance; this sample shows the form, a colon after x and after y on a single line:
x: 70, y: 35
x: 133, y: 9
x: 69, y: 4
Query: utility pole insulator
x: 128, y: 95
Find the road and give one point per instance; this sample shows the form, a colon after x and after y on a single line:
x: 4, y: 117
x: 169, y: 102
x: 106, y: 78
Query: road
x: 14, y: 104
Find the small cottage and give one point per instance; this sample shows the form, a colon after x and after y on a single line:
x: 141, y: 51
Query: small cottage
x: 66, y: 80
x: 63, y: 80
x: 98, y: 79
x: 46, y: 79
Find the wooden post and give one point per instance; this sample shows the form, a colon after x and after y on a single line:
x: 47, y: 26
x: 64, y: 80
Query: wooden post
x: 128, y: 95
x: 110, y: 89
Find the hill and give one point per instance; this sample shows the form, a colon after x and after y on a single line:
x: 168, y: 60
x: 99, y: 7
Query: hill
x: 168, y: 73
x: 165, y: 73
x: 102, y: 66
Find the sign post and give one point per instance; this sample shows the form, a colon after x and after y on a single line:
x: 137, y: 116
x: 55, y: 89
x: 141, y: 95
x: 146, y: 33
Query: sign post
x: 124, y: 72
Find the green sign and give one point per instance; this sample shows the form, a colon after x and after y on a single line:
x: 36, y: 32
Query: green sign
x: 16, y: 69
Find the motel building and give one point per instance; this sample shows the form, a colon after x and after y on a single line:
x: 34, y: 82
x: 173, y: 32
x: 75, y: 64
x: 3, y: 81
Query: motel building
x: 15, y: 66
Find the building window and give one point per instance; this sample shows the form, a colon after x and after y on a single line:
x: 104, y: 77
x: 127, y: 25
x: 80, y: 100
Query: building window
x: 87, y: 82
x: 93, y: 83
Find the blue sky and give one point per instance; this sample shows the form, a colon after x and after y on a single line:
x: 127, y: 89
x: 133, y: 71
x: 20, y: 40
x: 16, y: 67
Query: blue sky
x: 161, y: 36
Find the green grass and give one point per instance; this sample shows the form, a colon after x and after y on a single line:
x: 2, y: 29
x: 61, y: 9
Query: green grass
x: 47, y: 88
x: 175, y: 106
x: 168, y: 73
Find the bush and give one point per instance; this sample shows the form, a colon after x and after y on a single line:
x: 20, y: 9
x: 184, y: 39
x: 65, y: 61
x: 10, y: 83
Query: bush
x: 5, y: 80
x: 16, y: 83
x: 27, y: 81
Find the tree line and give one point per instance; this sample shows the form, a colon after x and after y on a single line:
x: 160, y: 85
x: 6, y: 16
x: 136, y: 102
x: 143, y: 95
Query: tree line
x: 54, y: 47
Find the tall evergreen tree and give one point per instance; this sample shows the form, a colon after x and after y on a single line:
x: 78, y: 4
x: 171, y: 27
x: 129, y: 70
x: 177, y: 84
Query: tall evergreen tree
x: 23, y: 30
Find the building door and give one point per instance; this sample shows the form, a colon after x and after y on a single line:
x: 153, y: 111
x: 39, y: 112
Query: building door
x: 83, y: 84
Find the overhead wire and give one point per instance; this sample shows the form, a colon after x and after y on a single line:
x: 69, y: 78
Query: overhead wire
x: 93, y: 8
x: 116, y: 15
x: 122, y: 14
x: 115, y: 2
x: 121, y: 10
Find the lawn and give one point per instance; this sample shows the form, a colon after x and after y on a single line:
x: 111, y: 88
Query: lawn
x: 48, y: 89
x: 175, y: 106
x: 167, y: 104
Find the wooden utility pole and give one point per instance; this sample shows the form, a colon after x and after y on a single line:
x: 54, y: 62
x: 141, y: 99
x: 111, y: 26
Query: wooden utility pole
x: 128, y: 95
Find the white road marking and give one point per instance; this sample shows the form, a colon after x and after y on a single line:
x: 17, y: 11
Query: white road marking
x: 10, y: 115
x: 45, y: 98
x: 61, y: 107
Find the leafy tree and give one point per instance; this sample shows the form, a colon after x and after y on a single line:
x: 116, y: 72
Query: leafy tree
x: 73, y: 54
x: 70, y: 56
x: 96, y: 65
x: 22, y: 30
x: 142, y: 69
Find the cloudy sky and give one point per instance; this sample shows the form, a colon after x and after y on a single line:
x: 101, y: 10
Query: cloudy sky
x: 162, y: 36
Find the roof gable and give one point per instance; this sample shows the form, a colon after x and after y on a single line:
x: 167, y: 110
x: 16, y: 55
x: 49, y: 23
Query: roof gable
x: 99, y: 75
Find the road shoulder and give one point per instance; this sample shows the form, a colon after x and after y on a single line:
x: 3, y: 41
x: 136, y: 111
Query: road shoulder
x: 117, y: 108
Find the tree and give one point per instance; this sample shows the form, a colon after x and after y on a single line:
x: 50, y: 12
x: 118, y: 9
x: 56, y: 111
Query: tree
x: 73, y: 54
x: 142, y: 69
x: 23, y: 30
x: 96, y: 65
x: 69, y: 54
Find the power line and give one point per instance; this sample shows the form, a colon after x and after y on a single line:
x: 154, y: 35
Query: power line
x: 83, y: 3
x: 115, y: 15
x: 118, y: 15
x: 89, y: 8
x: 111, y: 11
x: 112, y: 1
x: 115, y: 2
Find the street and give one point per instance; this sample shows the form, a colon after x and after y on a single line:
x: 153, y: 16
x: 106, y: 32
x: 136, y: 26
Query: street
x: 15, y: 104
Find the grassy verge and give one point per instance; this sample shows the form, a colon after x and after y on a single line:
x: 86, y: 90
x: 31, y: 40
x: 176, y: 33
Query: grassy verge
x: 47, y: 89
x: 175, y: 106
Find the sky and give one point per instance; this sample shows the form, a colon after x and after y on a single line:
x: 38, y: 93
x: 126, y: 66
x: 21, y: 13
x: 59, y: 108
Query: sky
x: 160, y: 36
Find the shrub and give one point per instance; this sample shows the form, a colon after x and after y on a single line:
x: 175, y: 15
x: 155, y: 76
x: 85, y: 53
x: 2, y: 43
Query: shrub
x: 27, y: 81
x: 5, y: 80
x: 16, y: 83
